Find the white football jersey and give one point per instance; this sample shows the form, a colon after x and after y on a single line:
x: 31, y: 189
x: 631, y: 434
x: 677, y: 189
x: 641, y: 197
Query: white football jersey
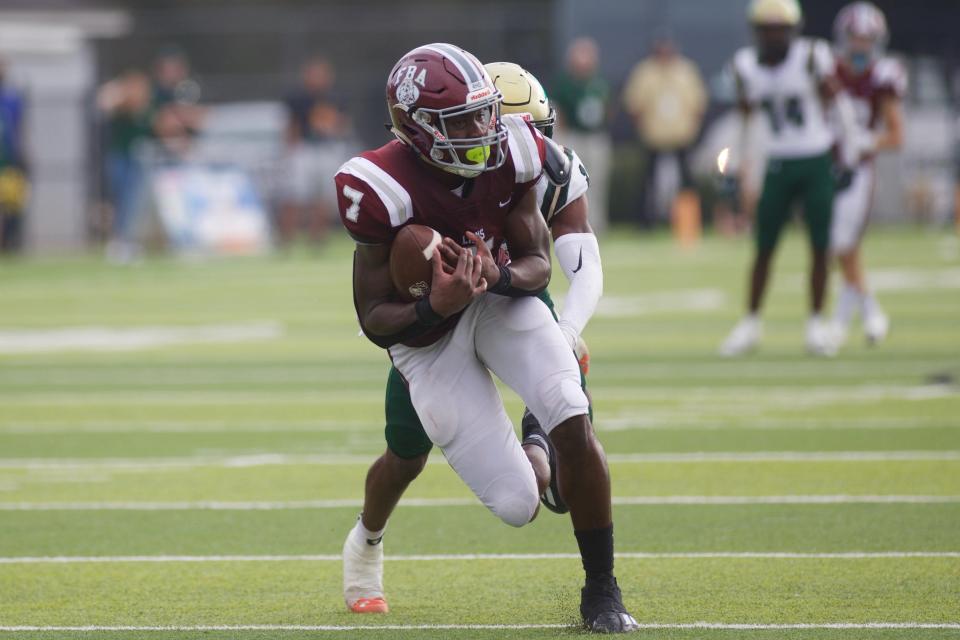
x: 788, y: 95
x: 552, y: 198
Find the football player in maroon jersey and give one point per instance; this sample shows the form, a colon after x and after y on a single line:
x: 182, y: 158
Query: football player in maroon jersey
x: 876, y: 84
x: 460, y: 168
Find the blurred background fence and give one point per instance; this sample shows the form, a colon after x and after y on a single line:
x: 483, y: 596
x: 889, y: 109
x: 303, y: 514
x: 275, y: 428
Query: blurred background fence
x: 232, y: 108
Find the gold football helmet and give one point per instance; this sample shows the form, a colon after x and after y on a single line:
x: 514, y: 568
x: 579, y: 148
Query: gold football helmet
x: 775, y: 12
x: 522, y: 94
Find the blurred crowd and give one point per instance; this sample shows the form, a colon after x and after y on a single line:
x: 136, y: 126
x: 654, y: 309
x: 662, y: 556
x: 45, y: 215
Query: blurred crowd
x: 660, y: 112
x: 665, y: 99
x: 145, y: 117
x: 149, y: 119
x: 152, y: 120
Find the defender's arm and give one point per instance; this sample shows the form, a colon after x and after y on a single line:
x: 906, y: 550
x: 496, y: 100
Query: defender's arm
x: 579, y: 256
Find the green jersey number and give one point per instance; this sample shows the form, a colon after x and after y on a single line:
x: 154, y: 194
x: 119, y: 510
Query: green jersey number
x: 791, y: 113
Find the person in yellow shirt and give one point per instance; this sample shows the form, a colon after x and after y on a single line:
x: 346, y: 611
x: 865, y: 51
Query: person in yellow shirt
x: 666, y: 97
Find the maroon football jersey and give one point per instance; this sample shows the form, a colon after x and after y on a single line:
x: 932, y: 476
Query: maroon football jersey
x: 884, y: 79
x: 382, y: 190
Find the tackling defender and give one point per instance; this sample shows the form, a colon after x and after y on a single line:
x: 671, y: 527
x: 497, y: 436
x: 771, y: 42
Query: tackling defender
x: 876, y: 84
x: 792, y: 80
x: 457, y: 167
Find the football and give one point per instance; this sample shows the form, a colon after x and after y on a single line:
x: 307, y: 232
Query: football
x: 410, y: 261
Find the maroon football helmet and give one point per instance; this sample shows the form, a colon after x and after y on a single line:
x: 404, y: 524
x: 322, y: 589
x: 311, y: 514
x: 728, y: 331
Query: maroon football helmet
x: 860, y: 34
x: 444, y: 105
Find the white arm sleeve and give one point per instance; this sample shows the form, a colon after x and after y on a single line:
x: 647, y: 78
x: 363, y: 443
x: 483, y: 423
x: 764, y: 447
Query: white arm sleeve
x: 579, y: 257
x: 740, y: 147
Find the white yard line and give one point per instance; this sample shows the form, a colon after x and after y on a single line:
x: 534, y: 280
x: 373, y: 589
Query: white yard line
x: 281, y: 459
x: 280, y: 505
x: 644, y: 304
x: 789, y: 499
x: 491, y: 627
x: 189, y: 427
x: 26, y: 373
x: 190, y: 397
x: 783, y: 456
x: 721, y: 396
x: 130, y: 339
x: 722, y: 399
x: 647, y: 420
x: 447, y: 557
x: 691, y: 420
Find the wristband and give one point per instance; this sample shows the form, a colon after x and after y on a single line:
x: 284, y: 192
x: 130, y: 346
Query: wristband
x: 503, y: 284
x: 425, y: 313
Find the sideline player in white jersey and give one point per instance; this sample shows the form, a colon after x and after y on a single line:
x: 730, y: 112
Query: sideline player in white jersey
x: 876, y: 85
x: 458, y: 168
x: 792, y: 81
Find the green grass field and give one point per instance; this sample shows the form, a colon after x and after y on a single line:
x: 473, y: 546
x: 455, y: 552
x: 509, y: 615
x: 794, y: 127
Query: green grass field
x: 200, y: 482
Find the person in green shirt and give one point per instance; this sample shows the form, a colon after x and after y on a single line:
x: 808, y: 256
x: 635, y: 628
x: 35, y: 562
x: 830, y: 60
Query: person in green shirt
x: 126, y: 103
x: 581, y: 96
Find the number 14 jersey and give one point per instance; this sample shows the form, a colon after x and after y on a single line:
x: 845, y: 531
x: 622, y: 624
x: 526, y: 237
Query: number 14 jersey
x: 788, y: 96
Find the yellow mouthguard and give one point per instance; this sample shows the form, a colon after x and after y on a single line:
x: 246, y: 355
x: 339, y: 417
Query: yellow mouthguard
x: 478, y: 155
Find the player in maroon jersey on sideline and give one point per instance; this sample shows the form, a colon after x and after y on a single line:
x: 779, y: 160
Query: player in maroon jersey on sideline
x: 460, y: 168
x: 876, y: 84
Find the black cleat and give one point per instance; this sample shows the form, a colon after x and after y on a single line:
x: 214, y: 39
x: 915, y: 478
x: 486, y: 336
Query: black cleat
x: 534, y: 434
x: 602, y: 608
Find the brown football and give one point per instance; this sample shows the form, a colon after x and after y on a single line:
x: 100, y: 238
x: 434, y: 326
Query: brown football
x: 410, y: 260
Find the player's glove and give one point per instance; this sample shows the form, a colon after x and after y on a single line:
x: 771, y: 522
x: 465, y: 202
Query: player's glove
x: 578, y: 345
x: 842, y: 178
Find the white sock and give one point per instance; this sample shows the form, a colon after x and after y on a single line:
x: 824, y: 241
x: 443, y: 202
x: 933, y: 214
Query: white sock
x: 372, y: 537
x: 869, y: 305
x: 847, y: 304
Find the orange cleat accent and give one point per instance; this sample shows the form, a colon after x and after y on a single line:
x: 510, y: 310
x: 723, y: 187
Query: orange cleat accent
x: 370, y: 605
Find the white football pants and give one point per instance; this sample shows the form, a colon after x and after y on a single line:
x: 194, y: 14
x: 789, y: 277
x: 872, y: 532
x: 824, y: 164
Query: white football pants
x: 851, y: 208
x: 462, y: 411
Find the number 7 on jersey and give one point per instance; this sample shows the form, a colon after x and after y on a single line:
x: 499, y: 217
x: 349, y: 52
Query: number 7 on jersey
x: 353, y: 212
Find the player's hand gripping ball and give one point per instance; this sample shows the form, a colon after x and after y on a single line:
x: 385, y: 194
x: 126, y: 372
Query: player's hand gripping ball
x: 410, y: 261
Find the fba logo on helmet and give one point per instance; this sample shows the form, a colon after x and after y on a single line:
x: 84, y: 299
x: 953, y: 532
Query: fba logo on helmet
x: 406, y: 81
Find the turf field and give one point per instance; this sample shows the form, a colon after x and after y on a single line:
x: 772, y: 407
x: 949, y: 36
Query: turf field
x: 198, y: 478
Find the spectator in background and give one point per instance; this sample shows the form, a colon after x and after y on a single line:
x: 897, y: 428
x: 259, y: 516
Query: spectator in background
x: 128, y: 106
x: 318, y: 133
x: 666, y: 97
x: 175, y: 101
x: 172, y: 83
x: 956, y: 184
x: 13, y: 166
x: 582, y: 96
